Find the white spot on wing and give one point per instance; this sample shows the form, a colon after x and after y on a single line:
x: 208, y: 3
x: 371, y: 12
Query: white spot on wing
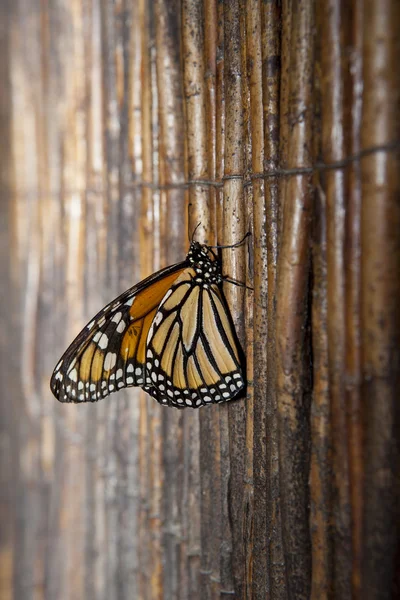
x: 158, y: 318
x: 121, y: 327
x: 73, y: 375
x: 71, y: 366
x: 110, y: 360
x: 103, y: 342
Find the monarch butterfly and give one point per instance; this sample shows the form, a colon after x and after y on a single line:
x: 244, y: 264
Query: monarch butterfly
x: 170, y: 334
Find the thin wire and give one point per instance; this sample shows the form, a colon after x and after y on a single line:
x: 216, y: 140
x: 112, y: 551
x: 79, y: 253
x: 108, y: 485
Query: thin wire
x: 278, y: 172
x: 319, y: 166
x: 247, y: 180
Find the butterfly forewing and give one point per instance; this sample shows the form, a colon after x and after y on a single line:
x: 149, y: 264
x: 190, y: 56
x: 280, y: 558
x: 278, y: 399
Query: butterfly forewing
x: 109, y: 353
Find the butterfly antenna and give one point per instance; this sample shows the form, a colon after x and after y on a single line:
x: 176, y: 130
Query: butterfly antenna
x: 234, y: 245
x: 195, y: 229
x: 238, y: 283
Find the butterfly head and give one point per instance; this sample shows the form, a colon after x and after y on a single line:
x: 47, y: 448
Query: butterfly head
x: 205, y: 263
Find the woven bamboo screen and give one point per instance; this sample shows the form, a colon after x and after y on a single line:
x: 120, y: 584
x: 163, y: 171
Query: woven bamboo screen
x: 124, y: 123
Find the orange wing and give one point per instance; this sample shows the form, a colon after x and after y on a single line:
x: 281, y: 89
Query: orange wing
x: 110, y: 352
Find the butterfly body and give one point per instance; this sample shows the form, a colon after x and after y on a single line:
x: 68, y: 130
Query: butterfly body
x: 171, y: 334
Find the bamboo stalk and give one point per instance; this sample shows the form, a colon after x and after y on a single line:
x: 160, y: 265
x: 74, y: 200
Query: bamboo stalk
x: 9, y: 456
x: 112, y: 129
x: 210, y: 471
x: 150, y: 558
x: 247, y: 510
x: 96, y: 248
x: 234, y: 228
x: 173, y: 220
x: 353, y: 114
x: 249, y: 17
x: 270, y: 568
x: 94, y: 258
x: 222, y: 574
x: 333, y: 148
x: 256, y: 578
x: 200, y: 153
x: 155, y: 411
x: 36, y: 324
x: 380, y: 285
x: 25, y: 212
x: 199, y: 212
x: 128, y: 416
x: 292, y: 292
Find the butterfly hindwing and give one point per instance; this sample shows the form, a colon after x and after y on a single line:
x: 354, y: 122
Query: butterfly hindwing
x: 192, y: 353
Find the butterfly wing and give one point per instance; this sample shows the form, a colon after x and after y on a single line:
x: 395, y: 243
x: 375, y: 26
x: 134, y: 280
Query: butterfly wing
x: 109, y: 353
x: 192, y: 353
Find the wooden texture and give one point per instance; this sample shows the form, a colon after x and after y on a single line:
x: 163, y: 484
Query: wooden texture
x: 125, y: 124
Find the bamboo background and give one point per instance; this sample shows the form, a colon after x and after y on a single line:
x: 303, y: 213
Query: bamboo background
x: 125, y: 123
